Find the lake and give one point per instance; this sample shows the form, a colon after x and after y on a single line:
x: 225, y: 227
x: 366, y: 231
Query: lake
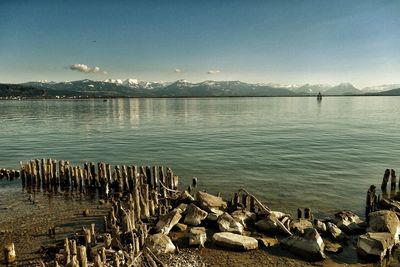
x: 289, y: 151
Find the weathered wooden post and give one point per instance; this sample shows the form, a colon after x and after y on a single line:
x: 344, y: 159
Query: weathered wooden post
x: 155, y: 177
x: 299, y: 216
x: 392, y: 180
x: 67, y: 252
x: 82, y: 258
x: 9, y: 254
x: 308, y: 214
x: 93, y: 234
x: 370, y: 202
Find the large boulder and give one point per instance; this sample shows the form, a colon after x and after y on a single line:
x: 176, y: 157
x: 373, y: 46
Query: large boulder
x: 375, y: 244
x: 309, y: 246
x: 244, y: 217
x: 209, y: 202
x: 267, y: 224
x: 227, y: 223
x: 335, y: 233
x: 348, y: 221
x: 300, y: 225
x: 385, y: 221
x: 194, y: 215
x: 166, y: 222
x: 197, y: 236
x: 235, y: 241
x: 160, y: 244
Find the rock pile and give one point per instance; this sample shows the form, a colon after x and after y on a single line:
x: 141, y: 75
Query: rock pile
x: 147, y: 209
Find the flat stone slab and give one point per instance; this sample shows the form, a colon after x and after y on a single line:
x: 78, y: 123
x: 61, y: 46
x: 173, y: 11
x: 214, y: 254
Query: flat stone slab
x: 209, y: 202
x: 235, y: 241
x: 375, y: 244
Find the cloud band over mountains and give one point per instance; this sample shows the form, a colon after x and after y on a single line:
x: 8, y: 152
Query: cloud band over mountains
x: 213, y: 71
x: 86, y: 69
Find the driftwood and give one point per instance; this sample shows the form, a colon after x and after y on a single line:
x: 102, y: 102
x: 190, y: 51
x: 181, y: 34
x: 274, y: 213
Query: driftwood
x: 157, y: 260
x: 267, y: 211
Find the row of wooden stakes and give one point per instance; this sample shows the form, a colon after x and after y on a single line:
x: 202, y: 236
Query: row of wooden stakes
x: 138, y: 195
x: 54, y: 176
x: 9, y: 174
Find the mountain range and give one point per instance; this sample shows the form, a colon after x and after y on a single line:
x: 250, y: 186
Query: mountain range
x: 181, y: 88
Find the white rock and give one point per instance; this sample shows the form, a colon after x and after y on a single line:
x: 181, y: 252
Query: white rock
x: 209, y: 202
x: 194, y: 215
x: 348, y: 222
x: 166, y: 222
x: 385, y: 221
x: 375, y: 244
x: 244, y: 217
x: 335, y: 232
x: 300, y: 225
x: 227, y: 224
x: 197, y: 236
x: 160, y: 244
x: 235, y: 241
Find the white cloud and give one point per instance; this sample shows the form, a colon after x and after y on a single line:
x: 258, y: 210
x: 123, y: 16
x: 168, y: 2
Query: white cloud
x: 178, y: 71
x: 86, y: 69
x: 213, y: 71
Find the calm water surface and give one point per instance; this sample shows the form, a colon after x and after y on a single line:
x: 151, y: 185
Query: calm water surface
x: 291, y: 152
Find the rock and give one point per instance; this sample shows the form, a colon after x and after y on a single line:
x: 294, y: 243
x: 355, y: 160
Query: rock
x: 375, y: 244
x: 309, y: 246
x: 384, y: 221
x: 235, y: 241
x: 194, y: 215
x: 227, y: 224
x: 185, y: 197
x: 279, y: 215
x: 197, y: 236
x: 320, y: 226
x: 300, y: 225
x: 268, y: 224
x: 348, y: 221
x: 166, y: 222
x: 244, y: 217
x: 180, y: 227
x: 160, y: 244
x: 390, y: 204
x: 267, y: 241
x: 213, y: 216
x: 333, y: 248
x: 335, y: 233
x: 209, y: 202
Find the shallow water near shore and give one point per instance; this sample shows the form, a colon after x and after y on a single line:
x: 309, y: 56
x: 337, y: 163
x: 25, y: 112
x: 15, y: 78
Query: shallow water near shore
x: 289, y: 152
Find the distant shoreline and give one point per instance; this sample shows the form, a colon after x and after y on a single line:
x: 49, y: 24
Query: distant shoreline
x: 14, y: 98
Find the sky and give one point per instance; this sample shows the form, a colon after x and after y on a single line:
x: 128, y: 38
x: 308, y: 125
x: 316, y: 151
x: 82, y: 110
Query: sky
x: 287, y: 42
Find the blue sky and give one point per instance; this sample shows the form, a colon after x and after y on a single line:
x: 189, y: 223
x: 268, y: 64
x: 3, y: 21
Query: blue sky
x: 255, y: 41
